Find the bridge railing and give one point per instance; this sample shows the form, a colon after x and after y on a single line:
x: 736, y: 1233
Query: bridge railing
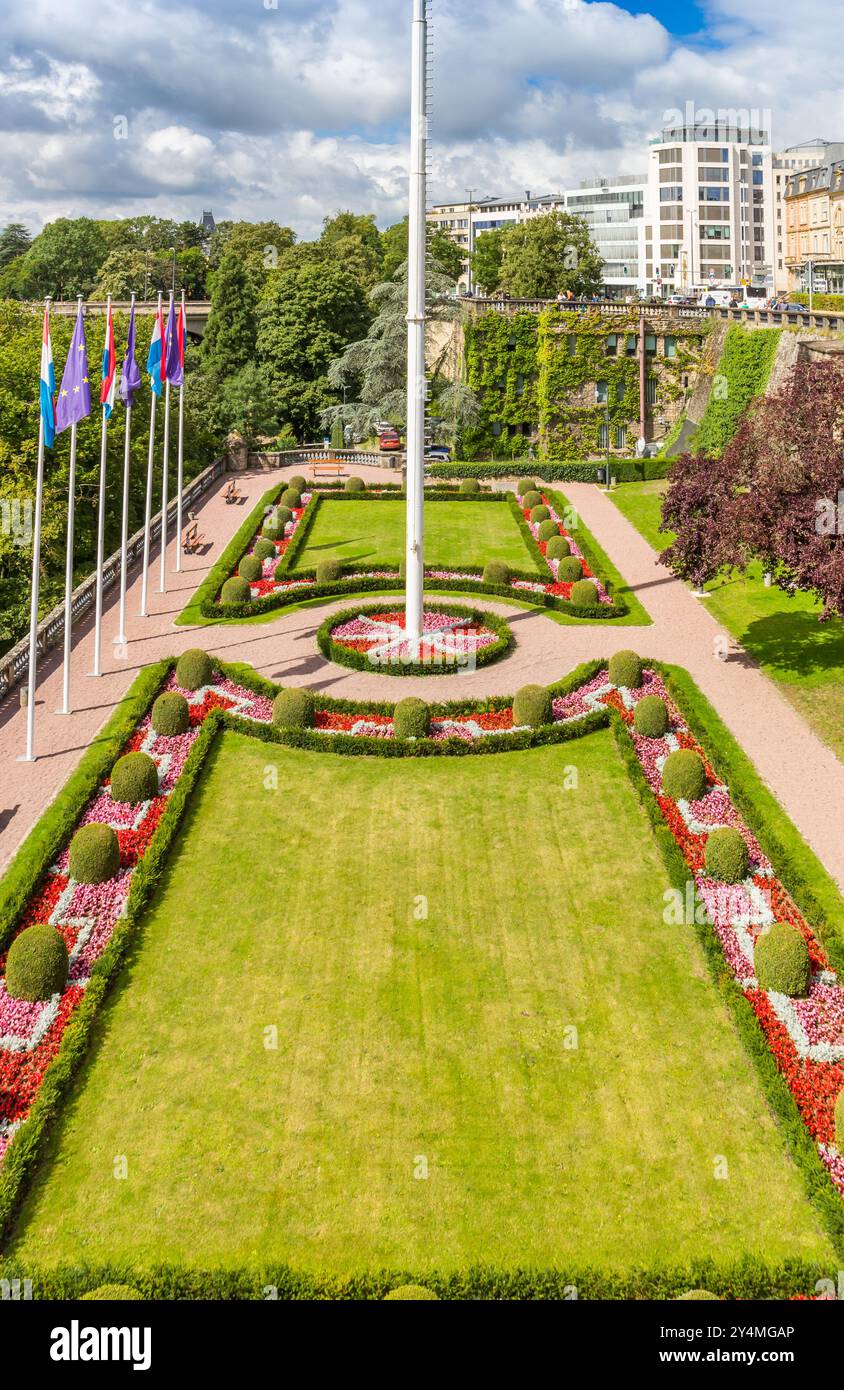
x: 801, y: 318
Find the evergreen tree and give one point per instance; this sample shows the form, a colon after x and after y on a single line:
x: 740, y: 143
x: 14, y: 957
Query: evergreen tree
x: 230, y: 336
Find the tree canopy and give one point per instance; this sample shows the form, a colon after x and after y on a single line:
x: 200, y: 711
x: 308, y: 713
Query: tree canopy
x: 539, y: 259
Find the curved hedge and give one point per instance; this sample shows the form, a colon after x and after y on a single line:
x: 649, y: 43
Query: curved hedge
x: 548, y: 529
x: 539, y: 513
x: 401, y: 666
x: 236, y: 590
x: 354, y: 484
x: 497, y: 573
x: 569, y: 569
x: 112, y: 1293
x: 470, y: 486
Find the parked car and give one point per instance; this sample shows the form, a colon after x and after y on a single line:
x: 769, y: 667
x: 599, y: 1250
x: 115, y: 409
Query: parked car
x: 439, y: 453
x: 389, y: 441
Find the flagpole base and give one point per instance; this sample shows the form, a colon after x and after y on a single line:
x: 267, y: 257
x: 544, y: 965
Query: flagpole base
x: 121, y: 640
x: 93, y: 675
x: 65, y: 713
x: 26, y: 758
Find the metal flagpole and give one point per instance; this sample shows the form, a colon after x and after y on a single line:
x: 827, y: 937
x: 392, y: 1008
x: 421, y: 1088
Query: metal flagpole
x: 148, y: 504
x: 68, y: 572
x: 416, y: 376
x: 166, y: 461
x: 121, y: 638
x: 32, y: 676
x: 101, y: 505
x: 180, y: 466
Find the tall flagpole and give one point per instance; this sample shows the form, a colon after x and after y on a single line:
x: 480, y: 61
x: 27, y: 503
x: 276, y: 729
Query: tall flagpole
x: 416, y: 377
x: 101, y: 506
x: 121, y: 638
x: 148, y: 506
x: 68, y: 571
x: 32, y: 676
x: 166, y: 461
x: 180, y: 465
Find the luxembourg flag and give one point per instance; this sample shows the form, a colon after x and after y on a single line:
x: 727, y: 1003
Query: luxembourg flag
x: 155, y: 355
x: 109, y: 369
x: 48, y: 385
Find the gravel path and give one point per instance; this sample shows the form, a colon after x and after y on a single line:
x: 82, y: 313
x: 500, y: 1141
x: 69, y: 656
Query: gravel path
x: 802, y: 772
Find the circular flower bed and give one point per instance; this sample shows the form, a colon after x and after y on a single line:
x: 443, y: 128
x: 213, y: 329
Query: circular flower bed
x: 454, y: 639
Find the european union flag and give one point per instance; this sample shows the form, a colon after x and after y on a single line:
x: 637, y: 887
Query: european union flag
x: 74, y: 398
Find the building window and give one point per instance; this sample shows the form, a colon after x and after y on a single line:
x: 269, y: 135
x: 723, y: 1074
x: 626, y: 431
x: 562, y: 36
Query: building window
x: 602, y: 392
x: 604, y: 437
x: 571, y: 343
x: 650, y: 343
x: 611, y: 345
x: 631, y: 347
x: 496, y: 428
x: 620, y: 391
x: 670, y: 346
x: 621, y: 436
x: 650, y: 390
x: 520, y: 385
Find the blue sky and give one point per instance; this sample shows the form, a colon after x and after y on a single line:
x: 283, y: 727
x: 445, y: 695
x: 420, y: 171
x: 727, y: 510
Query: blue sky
x: 678, y: 16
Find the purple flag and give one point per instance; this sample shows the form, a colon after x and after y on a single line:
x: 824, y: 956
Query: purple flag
x: 173, y: 368
x: 130, y: 376
x: 74, y: 398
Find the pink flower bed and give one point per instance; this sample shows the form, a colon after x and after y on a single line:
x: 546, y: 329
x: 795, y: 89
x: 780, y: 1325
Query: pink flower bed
x: 382, y: 635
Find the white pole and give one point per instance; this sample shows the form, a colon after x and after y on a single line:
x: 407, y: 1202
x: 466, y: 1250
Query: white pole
x: 121, y: 638
x: 101, y: 505
x: 32, y: 675
x: 148, y: 502
x: 180, y: 467
x: 165, y: 469
x: 416, y: 378
x: 68, y: 572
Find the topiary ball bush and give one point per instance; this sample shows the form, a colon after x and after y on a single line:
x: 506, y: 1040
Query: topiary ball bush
x: 292, y: 498
x: 700, y: 1295
x: 569, y: 570
x: 298, y: 483
x: 329, y: 571
x: 94, y: 854
x: 355, y: 484
x: 236, y: 590
x: 531, y: 500
x: 171, y: 715
x: 37, y: 964
x: 539, y: 513
x: 781, y: 960
x: 273, y: 527
x: 470, y: 485
x: 113, y: 1293
x: 626, y: 669
x: 684, y: 775
x: 250, y: 569
x: 293, y: 709
x: 548, y: 529
x: 194, y: 669
x: 264, y: 550
x: 650, y: 717
x: 532, y: 706
x: 497, y: 573
x: 412, y: 1293
x: 134, y: 778
x: 839, y: 1121
x: 558, y: 548
x: 584, y: 594
x: 411, y: 718
x: 525, y: 485
x: 726, y: 855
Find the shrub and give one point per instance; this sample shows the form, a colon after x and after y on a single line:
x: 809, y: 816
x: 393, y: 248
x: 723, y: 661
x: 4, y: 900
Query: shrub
x: 532, y: 499
x: 170, y: 714
x: 781, y: 960
x: 291, y: 498
x: 194, y: 669
x: 37, y: 964
x: 470, y: 485
x: 539, y: 513
x: 569, y: 570
x: 726, y: 855
x: 134, y: 778
x: 532, y: 706
x: 839, y: 1121
x: 328, y: 571
x: 700, y: 1295
x: 650, y: 718
x: 413, y: 1293
x: 525, y: 485
x: 548, y: 529
x: 250, y: 569
x: 584, y: 594
x: 115, y: 1293
x: 277, y: 519
x: 293, y: 709
x: 355, y: 485
x: 297, y: 483
x: 94, y: 854
x: 411, y: 718
x: 625, y: 668
x: 236, y: 590
x: 684, y: 775
x: 558, y: 548
x: 264, y: 550
x: 497, y: 573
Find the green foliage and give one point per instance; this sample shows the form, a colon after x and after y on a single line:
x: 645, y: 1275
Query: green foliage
x: 293, y: 709
x: 411, y: 1293
x: 625, y: 668
x: 470, y: 485
x: 726, y: 855
x: 355, y: 485
x: 14, y: 241
x: 297, y: 483
x: 548, y: 529
x: 264, y: 550
x: 497, y: 573
x: 112, y: 1293
x: 532, y: 706
x: 743, y: 371
x: 195, y: 667
x: 525, y: 485
x: 684, y: 775
x: 539, y: 513
x: 329, y: 571
x: 650, y: 717
x: 569, y: 570
x: 250, y: 569
x: 488, y: 260
x: 273, y: 527
x: 411, y: 718
x: 94, y: 854
x: 699, y: 1295
x: 291, y: 498
x: 781, y: 960
x: 542, y: 258
x: 37, y: 964
x: 531, y: 500
x: 170, y: 715
x: 558, y: 548
x: 236, y: 590
x: 134, y: 778
x: 584, y: 594
x: 839, y: 1121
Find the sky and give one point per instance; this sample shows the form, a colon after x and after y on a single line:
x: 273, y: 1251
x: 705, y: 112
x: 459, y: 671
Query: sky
x: 292, y: 109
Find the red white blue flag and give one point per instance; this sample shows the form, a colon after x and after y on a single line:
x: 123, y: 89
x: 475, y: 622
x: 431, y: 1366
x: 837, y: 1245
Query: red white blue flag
x: 155, y: 355
x: 48, y: 384
x: 109, y: 368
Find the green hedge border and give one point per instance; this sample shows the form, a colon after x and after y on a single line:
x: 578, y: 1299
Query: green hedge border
x: 588, y: 471
x: 359, y: 661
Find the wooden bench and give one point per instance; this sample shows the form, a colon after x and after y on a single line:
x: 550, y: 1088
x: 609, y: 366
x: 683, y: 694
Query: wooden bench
x: 191, y: 538
x: 232, y: 494
x: 329, y: 466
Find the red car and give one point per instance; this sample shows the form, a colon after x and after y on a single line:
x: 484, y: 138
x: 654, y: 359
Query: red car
x: 389, y: 441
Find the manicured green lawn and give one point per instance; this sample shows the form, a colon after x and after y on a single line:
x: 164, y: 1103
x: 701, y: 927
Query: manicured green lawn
x: 489, y: 1047
x: 782, y: 633
x: 456, y: 533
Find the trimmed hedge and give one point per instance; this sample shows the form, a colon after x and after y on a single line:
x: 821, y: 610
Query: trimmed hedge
x: 37, y: 964
x: 236, y: 590
x: 94, y: 854
x: 781, y: 960
x: 532, y: 706
x: 585, y: 471
x: 726, y: 857
x: 411, y: 1293
x: 293, y: 709
x: 531, y: 500
x: 194, y: 669
x: 539, y: 513
x: 650, y: 717
x: 250, y: 569
x: 297, y: 482
x: 548, y: 529
x: 470, y: 486
x: 112, y: 1293
x: 525, y: 485
x: 411, y: 718
x: 569, y: 570
x: 684, y: 775
x: 134, y: 778
x: 496, y: 572
x: 291, y: 498
x: 171, y: 715
x: 355, y: 484
x: 329, y: 571
x: 699, y: 1295
x: 264, y: 550
x: 398, y: 664
x: 625, y: 669
x: 584, y: 594
x: 558, y: 548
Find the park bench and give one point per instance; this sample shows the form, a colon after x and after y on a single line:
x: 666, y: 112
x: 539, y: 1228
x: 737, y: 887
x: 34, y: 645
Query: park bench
x: 232, y: 494
x: 331, y: 466
x: 191, y: 538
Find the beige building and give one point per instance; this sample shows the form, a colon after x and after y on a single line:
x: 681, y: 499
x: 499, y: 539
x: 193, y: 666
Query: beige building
x: 814, y: 201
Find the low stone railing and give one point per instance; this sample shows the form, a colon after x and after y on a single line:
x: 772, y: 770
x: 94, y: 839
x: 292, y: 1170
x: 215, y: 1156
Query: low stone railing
x: 803, y: 318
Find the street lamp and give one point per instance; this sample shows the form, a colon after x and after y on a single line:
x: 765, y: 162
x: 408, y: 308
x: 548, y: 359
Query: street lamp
x: 691, y: 214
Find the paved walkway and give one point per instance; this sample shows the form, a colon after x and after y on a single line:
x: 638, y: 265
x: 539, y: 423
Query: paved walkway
x: 802, y: 772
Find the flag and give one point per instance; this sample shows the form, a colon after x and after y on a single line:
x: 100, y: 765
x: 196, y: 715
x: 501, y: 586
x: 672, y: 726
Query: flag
x: 176, y: 347
x: 74, y: 401
x: 154, y: 357
x: 109, y: 368
x: 48, y: 384
x: 130, y: 376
